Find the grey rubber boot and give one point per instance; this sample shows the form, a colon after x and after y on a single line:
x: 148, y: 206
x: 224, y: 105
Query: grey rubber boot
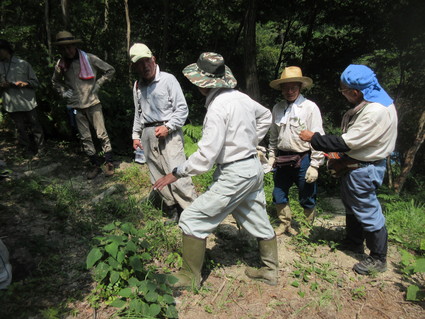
x: 268, y: 254
x: 309, y: 214
x: 284, y: 214
x: 189, y: 275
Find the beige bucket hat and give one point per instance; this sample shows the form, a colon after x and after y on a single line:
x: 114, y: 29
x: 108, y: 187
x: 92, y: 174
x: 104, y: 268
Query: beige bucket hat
x: 291, y: 74
x: 65, y: 37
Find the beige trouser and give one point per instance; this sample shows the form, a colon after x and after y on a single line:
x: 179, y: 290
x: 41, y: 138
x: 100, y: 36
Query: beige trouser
x: 92, y: 116
x: 162, y: 155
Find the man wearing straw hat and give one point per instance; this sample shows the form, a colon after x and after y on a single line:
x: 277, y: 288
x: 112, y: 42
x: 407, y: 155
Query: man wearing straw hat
x: 76, y: 80
x: 369, y: 136
x: 233, y: 127
x: 296, y: 162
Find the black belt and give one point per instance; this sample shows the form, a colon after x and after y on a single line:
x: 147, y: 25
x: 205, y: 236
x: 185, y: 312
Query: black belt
x: 242, y: 159
x: 155, y: 124
x: 282, y: 153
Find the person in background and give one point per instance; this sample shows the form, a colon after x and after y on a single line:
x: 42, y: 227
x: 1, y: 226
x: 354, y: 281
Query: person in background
x: 233, y: 127
x: 17, y: 87
x: 76, y: 79
x: 296, y: 162
x: 160, y: 112
x: 359, y: 158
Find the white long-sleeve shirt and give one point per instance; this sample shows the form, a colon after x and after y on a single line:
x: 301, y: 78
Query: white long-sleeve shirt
x: 288, y: 122
x: 161, y: 100
x: 372, y: 132
x: 233, y: 127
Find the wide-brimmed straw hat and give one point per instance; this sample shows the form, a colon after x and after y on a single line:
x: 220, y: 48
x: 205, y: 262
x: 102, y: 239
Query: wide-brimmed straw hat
x: 210, y: 72
x: 291, y: 74
x: 65, y: 37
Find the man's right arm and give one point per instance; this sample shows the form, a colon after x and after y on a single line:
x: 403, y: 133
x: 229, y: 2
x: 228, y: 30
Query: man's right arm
x: 57, y: 80
x: 137, y: 121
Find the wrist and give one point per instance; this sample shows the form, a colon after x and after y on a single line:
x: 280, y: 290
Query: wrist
x: 174, y: 172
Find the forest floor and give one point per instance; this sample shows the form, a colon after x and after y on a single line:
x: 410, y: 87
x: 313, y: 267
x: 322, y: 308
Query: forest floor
x: 316, y: 280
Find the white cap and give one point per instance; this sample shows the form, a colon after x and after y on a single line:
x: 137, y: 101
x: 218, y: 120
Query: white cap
x: 139, y: 51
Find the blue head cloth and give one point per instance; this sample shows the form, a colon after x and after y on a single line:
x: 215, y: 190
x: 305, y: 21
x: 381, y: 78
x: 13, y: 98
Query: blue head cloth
x: 362, y: 78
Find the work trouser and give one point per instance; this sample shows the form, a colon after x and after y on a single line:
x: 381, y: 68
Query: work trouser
x: 237, y: 189
x: 27, y: 124
x: 162, y: 155
x: 358, y: 194
x: 285, y: 177
x: 93, y: 116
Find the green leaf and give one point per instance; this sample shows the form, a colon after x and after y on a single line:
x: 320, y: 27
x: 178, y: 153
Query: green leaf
x: 113, y: 263
x: 136, y: 263
x: 126, y: 292
x: 112, y: 249
x: 94, y: 255
x: 118, y: 303
x: 115, y: 276
x: 295, y: 284
x: 422, y: 244
x: 168, y: 299
x: 120, y: 257
x: 154, y: 310
x: 412, y: 292
x: 171, y: 279
x: 109, y: 227
x: 128, y: 228
x: 171, y: 312
x: 131, y: 247
x: 420, y: 265
x: 146, y: 256
x: 101, y: 271
x: 133, y: 282
x: 136, y: 306
x: 151, y: 296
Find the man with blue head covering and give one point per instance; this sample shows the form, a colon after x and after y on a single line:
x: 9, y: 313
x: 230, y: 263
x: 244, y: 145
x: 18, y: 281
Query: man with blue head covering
x: 359, y: 158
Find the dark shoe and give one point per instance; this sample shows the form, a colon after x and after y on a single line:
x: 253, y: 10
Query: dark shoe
x: 174, y: 219
x: 93, y: 172
x: 109, y: 169
x: 349, y: 245
x: 370, y: 265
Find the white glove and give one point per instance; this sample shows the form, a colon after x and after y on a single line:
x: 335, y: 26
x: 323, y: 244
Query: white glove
x: 311, y: 175
x: 261, y: 153
x: 68, y: 94
x: 271, y: 158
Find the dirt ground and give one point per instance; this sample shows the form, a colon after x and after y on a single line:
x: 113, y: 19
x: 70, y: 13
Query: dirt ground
x: 315, y: 280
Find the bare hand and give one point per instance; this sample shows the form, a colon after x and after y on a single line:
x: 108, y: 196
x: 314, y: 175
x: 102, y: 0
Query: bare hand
x: 137, y: 144
x: 164, y: 181
x: 306, y: 135
x: 21, y: 84
x: 161, y: 131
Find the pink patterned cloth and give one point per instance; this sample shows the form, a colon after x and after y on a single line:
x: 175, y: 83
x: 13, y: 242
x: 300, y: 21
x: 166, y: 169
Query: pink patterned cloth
x: 86, y: 72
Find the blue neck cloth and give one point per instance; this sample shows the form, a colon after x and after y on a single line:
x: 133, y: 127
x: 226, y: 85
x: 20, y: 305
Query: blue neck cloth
x: 362, y: 78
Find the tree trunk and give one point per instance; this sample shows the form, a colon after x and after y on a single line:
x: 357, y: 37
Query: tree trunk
x: 47, y: 24
x: 309, y: 35
x: 250, y: 61
x: 280, y: 60
x: 410, y: 155
x: 65, y: 14
x: 106, y: 15
x: 127, y: 19
x: 164, y: 49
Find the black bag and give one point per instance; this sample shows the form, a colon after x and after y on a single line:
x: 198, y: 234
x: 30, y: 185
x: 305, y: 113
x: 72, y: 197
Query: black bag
x: 288, y: 160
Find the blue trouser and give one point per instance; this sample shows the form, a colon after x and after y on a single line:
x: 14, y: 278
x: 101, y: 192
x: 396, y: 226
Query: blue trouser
x: 358, y: 193
x: 285, y: 177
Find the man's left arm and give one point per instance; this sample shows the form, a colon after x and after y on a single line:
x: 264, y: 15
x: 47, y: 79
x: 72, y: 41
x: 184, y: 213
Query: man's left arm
x: 179, y: 106
x: 263, y: 118
x: 107, y: 69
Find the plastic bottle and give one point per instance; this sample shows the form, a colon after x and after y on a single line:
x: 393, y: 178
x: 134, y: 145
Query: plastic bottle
x: 140, y: 156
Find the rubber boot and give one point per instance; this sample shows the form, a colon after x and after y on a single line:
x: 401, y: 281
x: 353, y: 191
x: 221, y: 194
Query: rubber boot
x: 284, y: 214
x: 268, y: 254
x: 309, y: 214
x: 189, y: 275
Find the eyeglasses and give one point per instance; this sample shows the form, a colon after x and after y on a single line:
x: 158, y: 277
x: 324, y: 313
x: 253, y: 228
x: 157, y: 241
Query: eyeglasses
x: 343, y: 90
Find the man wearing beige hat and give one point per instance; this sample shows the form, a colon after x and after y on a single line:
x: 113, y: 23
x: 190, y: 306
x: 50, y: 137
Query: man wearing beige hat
x: 160, y: 112
x: 76, y: 80
x: 296, y: 162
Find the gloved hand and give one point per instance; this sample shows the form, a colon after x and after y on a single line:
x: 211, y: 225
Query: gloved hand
x: 312, y: 174
x: 68, y: 94
x: 271, y: 158
x: 261, y: 153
